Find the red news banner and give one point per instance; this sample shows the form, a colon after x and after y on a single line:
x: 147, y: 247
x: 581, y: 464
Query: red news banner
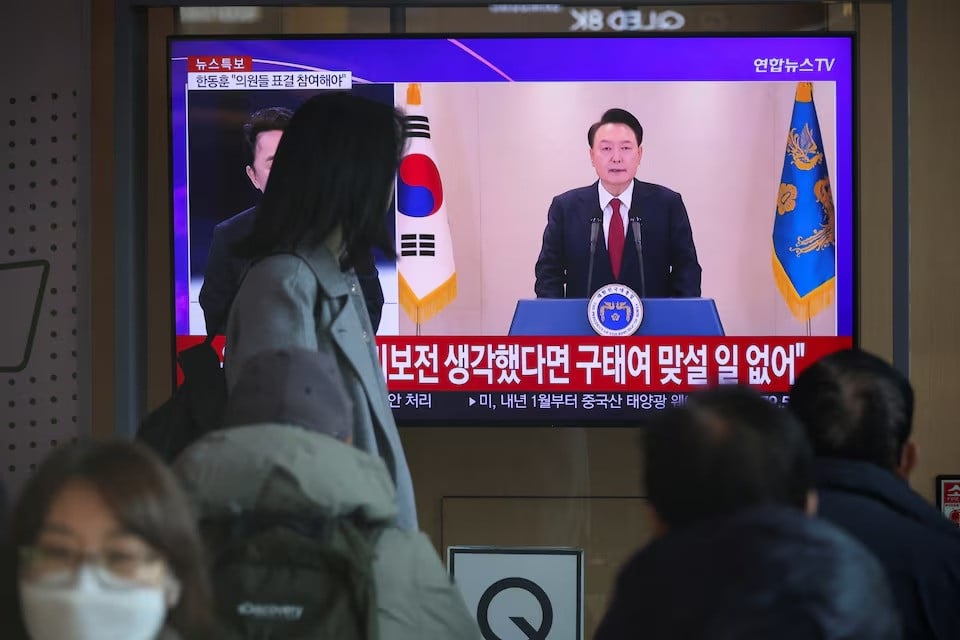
x: 477, y: 363
x: 208, y: 64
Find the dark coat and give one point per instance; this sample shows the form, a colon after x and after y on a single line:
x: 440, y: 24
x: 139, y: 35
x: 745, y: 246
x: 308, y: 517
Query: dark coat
x: 670, y: 262
x: 770, y: 572
x: 917, y: 545
x: 225, y: 268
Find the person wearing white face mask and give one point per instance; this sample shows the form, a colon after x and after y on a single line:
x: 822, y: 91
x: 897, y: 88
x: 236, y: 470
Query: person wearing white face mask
x: 106, y: 548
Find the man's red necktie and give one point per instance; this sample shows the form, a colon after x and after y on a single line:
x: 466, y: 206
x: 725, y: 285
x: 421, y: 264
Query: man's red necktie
x: 615, y: 242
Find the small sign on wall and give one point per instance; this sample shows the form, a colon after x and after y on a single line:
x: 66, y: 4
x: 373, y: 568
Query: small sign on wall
x: 948, y: 497
x: 521, y: 592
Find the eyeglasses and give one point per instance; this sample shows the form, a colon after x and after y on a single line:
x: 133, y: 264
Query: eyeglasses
x: 60, y: 566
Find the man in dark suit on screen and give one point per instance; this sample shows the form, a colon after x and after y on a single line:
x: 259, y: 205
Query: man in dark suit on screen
x: 670, y: 267
x: 224, y: 270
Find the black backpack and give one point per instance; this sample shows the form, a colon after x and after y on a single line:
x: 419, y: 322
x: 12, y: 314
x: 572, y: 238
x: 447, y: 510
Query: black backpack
x: 287, y: 571
x: 195, y: 408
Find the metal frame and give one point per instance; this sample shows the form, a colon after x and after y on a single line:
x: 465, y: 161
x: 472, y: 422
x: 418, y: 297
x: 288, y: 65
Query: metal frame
x: 129, y: 242
x: 128, y: 4
x: 130, y: 185
x: 900, y: 182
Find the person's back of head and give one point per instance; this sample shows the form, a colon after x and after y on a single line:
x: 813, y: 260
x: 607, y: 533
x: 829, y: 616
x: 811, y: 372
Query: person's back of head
x: 333, y: 172
x: 297, y: 387
x: 260, y: 121
x: 727, y: 449
x: 286, y: 445
x: 730, y: 478
x: 856, y: 406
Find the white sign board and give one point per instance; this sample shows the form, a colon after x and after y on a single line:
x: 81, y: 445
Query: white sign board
x: 521, y: 593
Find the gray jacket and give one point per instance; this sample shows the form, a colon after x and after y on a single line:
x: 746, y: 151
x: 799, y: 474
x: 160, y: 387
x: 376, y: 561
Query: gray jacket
x: 280, y: 305
x: 226, y: 471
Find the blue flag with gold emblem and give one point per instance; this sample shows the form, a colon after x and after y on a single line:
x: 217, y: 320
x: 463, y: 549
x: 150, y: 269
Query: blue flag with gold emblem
x: 804, y: 231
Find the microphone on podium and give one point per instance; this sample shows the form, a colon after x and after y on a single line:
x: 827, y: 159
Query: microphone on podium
x: 594, y: 234
x: 635, y: 225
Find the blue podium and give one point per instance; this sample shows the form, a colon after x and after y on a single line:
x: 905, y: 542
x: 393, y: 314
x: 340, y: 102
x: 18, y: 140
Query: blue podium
x: 661, y: 317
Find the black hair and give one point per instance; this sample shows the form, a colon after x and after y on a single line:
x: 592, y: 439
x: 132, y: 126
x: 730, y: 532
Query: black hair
x: 854, y: 405
x: 334, y: 169
x: 268, y: 119
x: 725, y: 450
x: 616, y: 116
x: 145, y: 498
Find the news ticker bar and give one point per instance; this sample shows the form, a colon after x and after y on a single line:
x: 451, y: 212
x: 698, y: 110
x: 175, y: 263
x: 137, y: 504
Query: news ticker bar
x: 561, y: 409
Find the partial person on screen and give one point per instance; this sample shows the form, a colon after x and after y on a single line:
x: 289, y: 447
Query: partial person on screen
x: 225, y: 268
x: 317, y: 211
x: 106, y: 548
x: 858, y: 412
x: 670, y: 267
x: 736, y: 552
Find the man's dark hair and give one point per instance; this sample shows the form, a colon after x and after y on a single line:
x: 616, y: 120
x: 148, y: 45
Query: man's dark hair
x: 616, y: 116
x: 269, y: 119
x: 334, y: 169
x: 856, y: 406
x: 725, y: 450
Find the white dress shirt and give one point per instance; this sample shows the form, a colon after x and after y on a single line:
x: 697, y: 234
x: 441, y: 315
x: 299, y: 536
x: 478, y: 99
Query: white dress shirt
x: 625, y: 199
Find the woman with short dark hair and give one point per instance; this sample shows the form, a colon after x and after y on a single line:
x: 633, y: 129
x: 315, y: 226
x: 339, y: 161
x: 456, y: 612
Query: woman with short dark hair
x: 107, y: 547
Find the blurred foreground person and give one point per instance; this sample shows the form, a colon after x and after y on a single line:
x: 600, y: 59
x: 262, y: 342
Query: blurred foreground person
x: 858, y: 412
x: 736, y: 555
x: 300, y: 524
x: 107, y: 549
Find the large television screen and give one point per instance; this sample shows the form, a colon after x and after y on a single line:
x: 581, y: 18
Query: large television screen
x: 553, y: 270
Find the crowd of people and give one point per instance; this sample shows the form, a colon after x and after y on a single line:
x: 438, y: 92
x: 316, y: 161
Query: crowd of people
x: 295, y: 517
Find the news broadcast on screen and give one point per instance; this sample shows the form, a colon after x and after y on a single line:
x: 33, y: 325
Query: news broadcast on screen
x: 588, y: 228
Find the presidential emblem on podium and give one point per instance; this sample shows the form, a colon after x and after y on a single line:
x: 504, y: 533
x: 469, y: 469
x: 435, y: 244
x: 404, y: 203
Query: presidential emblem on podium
x: 615, y: 310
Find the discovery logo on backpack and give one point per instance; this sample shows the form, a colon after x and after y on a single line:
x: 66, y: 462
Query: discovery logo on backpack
x: 267, y: 611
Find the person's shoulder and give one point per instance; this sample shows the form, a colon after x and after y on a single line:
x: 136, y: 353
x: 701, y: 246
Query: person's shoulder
x: 273, y: 273
x: 410, y: 557
x: 237, y: 225
x: 406, y: 544
x: 233, y: 465
x: 650, y: 189
x: 877, y: 500
x: 579, y: 192
x: 285, y: 264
